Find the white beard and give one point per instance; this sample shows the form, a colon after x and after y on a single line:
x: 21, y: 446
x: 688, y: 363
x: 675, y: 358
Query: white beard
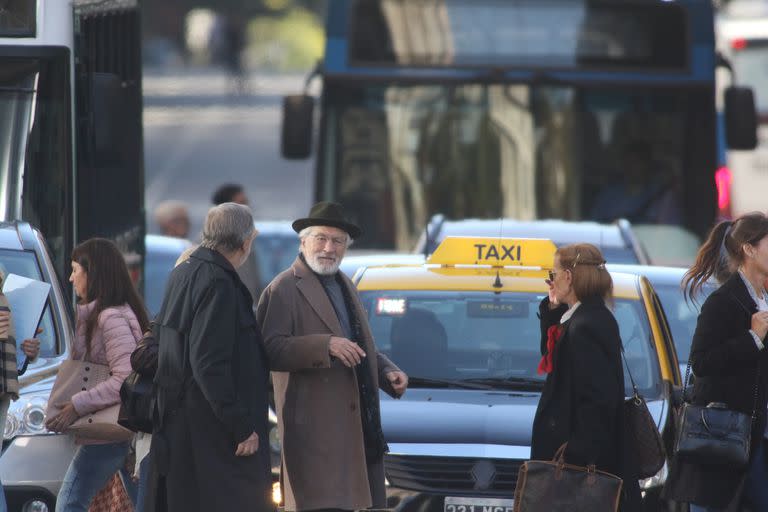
x: 324, y: 269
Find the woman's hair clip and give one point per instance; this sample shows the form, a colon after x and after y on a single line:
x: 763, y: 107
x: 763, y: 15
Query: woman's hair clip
x: 601, y: 266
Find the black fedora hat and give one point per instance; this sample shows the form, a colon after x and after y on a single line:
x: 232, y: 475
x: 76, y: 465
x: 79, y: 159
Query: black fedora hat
x: 326, y: 213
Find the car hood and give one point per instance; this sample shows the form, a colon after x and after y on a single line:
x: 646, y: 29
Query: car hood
x: 451, y: 416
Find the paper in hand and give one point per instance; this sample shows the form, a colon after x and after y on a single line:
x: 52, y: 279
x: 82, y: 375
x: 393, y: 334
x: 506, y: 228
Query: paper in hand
x: 27, y: 298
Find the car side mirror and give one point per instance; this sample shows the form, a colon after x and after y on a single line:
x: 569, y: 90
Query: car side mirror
x: 298, y: 115
x: 108, y: 100
x: 740, y: 118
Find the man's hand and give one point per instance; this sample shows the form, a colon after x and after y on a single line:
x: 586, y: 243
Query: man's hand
x: 64, y: 419
x: 248, y: 447
x: 346, y: 351
x: 399, y: 382
x: 31, y: 348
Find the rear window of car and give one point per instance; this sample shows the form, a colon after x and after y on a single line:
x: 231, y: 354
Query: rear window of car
x: 681, y: 315
x: 25, y: 264
x: 481, y: 335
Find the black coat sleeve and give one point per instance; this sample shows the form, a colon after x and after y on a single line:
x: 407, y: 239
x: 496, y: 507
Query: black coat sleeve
x: 144, y: 358
x: 595, y: 388
x: 720, y: 345
x: 547, y: 318
x: 212, y: 339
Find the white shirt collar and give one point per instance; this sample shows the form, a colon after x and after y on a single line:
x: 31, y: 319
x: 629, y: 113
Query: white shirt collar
x: 568, y: 314
x: 758, y: 297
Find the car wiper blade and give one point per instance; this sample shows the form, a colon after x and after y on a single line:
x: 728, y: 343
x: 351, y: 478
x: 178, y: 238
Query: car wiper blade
x: 445, y: 383
x: 509, y: 382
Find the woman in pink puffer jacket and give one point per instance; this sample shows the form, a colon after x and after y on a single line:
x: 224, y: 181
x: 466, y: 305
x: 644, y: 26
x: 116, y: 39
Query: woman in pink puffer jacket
x: 110, y: 320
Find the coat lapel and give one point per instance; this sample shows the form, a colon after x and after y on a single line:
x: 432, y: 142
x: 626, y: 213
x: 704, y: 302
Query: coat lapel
x: 738, y: 290
x: 310, y: 288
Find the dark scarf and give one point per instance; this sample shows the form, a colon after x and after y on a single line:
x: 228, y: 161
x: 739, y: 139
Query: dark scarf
x: 370, y: 415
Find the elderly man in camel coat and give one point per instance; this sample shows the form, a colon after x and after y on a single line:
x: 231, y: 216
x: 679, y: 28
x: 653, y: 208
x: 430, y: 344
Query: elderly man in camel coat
x: 326, y: 374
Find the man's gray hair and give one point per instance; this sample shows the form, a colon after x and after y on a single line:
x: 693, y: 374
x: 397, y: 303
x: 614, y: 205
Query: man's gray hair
x: 227, y: 227
x: 304, y: 233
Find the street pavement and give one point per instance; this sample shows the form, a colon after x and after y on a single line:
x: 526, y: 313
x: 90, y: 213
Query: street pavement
x: 199, y: 133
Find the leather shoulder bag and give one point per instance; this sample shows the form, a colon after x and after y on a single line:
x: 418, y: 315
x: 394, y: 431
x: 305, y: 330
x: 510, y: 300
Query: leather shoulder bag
x: 643, y: 440
x: 714, y: 435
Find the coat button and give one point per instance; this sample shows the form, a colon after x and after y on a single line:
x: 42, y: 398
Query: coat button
x: 90, y: 420
x: 87, y: 368
x: 84, y: 389
x: 85, y: 379
x: 110, y: 374
x: 353, y: 407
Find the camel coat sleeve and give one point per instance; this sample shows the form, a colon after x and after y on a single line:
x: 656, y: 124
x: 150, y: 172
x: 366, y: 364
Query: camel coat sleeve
x: 276, y: 314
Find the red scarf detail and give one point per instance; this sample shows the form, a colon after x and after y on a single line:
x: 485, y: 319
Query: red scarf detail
x: 553, y: 335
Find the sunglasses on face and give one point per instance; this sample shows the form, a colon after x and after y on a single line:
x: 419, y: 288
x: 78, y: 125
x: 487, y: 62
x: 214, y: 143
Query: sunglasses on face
x: 552, y: 275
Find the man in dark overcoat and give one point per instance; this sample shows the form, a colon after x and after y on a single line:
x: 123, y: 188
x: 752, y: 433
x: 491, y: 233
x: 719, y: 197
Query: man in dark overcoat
x: 210, y: 448
x: 326, y: 373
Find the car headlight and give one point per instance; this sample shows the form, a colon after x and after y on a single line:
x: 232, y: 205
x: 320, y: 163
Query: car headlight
x: 26, y: 416
x: 656, y: 480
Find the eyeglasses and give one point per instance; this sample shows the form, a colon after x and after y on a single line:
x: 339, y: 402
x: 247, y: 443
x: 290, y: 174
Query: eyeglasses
x: 321, y: 240
x: 552, y: 275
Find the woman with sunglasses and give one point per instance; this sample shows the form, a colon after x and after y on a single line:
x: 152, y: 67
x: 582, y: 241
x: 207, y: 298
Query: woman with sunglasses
x: 583, y: 396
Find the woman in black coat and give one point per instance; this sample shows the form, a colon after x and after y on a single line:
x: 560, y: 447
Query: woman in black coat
x: 583, y: 397
x: 729, y: 361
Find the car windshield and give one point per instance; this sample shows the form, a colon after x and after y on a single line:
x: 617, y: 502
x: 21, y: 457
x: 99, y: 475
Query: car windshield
x: 483, y: 338
x: 25, y: 264
x: 681, y: 315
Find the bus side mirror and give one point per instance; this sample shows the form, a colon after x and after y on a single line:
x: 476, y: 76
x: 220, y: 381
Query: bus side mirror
x: 740, y: 118
x: 107, y: 101
x: 298, y: 114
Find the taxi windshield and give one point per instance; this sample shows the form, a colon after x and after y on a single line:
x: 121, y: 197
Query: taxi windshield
x: 482, y: 337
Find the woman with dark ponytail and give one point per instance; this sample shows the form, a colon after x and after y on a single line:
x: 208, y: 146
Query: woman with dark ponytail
x: 729, y: 360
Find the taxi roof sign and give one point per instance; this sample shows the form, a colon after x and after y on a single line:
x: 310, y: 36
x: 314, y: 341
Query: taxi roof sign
x: 496, y: 252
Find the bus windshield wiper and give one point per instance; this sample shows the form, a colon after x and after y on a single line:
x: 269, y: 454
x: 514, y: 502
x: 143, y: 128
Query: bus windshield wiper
x: 509, y: 382
x: 423, y: 382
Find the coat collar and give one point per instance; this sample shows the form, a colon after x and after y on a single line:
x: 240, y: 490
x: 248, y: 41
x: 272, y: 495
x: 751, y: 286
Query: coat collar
x: 215, y: 257
x: 738, y: 290
x: 312, y: 289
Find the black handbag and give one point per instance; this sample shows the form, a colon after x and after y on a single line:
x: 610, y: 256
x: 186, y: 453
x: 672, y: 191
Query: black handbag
x: 554, y: 486
x: 643, y: 441
x: 714, y: 435
x: 137, y: 400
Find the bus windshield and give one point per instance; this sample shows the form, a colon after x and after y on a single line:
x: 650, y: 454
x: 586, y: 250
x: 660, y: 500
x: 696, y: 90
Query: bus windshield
x: 397, y: 154
x: 35, y: 144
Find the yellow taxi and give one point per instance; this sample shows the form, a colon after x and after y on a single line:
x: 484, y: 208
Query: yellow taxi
x: 464, y: 327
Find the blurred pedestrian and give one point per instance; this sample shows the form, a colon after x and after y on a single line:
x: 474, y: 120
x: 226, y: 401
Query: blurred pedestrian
x: 230, y: 193
x: 110, y: 320
x: 729, y: 360
x: 211, y: 447
x: 173, y: 218
x: 324, y: 363
x: 583, y: 397
x: 249, y: 271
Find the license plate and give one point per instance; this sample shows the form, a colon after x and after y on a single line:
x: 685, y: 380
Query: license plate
x: 478, y: 505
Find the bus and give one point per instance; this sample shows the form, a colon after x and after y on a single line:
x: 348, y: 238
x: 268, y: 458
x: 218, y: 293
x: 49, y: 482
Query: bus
x: 742, y: 37
x: 532, y: 109
x: 71, y: 148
